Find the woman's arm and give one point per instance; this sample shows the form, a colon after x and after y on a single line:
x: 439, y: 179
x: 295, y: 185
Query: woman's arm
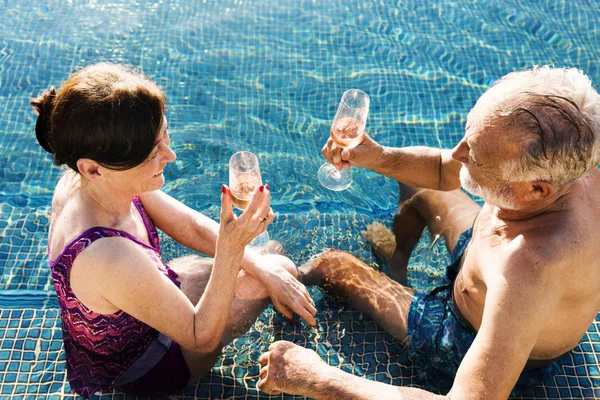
x: 185, y: 225
x: 123, y: 274
x: 198, y: 232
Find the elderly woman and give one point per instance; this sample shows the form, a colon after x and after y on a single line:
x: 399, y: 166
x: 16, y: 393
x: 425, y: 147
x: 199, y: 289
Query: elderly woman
x: 130, y: 321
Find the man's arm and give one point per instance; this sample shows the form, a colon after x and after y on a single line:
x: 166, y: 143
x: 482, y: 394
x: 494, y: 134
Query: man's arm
x: 518, y: 305
x: 289, y: 368
x: 516, y: 309
x: 420, y: 166
x: 417, y: 166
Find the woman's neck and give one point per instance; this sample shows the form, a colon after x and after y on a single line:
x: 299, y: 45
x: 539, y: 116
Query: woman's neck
x: 113, y: 204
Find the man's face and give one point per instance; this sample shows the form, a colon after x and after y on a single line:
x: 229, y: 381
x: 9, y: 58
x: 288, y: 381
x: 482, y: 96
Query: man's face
x: 482, y: 153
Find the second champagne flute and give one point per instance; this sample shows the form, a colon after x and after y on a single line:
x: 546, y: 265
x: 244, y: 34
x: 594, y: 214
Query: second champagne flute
x: 347, y: 131
x: 244, y: 178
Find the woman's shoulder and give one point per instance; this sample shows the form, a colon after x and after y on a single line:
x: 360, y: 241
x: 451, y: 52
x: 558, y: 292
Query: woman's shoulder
x: 70, y: 218
x: 99, y: 265
x: 64, y: 191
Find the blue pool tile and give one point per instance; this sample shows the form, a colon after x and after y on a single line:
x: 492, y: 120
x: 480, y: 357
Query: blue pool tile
x: 424, y: 63
x: 7, y: 344
x: 19, y: 389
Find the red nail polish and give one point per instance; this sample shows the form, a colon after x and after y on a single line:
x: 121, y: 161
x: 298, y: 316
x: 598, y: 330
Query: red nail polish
x: 267, y: 186
x: 261, y: 188
x: 223, y: 189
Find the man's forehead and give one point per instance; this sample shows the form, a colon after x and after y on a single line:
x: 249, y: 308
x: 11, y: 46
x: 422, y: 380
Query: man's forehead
x: 474, y: 123
x: 477, y: 131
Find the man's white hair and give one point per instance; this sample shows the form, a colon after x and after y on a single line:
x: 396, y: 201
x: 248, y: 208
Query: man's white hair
x: 554, y: 115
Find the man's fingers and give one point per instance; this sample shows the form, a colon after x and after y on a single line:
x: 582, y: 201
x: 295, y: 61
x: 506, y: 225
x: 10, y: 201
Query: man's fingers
x: 264, y: 371
x: 325, y: 152
x: 337, y: 158
x: 264, y: 358
x: 263, y: 386
x: 273, y: 345
x: 347, y: 154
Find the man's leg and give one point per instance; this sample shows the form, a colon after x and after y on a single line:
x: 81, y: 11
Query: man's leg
x: 447, y: 214
x: 370, y: 291
x: 250, y: 300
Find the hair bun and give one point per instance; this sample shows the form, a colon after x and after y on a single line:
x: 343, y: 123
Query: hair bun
x: 43, y: 108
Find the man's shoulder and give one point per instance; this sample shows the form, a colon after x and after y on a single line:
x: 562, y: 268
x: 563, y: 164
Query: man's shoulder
x: 545, y: 257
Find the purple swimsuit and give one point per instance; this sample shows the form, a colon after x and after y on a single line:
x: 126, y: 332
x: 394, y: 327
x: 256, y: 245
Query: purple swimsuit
x: 116, y: 350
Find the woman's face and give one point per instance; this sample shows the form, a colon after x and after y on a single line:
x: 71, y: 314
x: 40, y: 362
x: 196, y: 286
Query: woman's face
x: 148, y: 176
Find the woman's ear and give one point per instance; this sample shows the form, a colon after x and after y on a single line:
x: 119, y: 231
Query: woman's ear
x: 90, y: 169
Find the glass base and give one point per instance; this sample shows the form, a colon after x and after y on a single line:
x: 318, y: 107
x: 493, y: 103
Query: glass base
x: 333, y: 179
x: 259, y: 242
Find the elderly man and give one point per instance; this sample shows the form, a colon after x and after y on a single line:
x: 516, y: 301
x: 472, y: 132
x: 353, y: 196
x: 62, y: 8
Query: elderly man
x: 523, y: 286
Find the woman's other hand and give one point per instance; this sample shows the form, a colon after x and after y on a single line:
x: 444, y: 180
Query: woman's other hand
x: 287, y: 293
x: 236, y: 232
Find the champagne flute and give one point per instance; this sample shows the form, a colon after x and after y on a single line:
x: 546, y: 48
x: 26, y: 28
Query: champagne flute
x: 244, y: 178
x: 347, y: 131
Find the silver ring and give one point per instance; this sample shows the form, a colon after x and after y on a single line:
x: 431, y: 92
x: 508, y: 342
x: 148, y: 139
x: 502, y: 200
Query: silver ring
x: 262, y: 219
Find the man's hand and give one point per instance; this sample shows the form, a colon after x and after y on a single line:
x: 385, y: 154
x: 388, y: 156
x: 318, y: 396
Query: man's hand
x: 287, y: 293
x: 289, y: 368
x: 366, y: 155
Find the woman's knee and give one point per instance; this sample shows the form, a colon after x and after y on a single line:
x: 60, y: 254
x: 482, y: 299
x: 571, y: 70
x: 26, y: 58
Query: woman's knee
x: 193, y: 273
x: 191, y: 264
x: 284, y: 262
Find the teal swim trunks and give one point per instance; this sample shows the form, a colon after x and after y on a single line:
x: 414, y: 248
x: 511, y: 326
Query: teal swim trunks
x: 439, y: 338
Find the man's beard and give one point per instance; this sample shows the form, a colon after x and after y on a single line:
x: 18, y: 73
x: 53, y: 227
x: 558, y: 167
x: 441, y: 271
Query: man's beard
x: 500, y: 197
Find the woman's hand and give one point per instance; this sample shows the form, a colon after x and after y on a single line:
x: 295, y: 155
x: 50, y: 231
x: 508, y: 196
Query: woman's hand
x: 236, y: 232
x: 287, y: 293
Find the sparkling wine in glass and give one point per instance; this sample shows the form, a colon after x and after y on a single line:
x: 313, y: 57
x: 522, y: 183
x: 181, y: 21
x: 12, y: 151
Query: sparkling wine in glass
x: 244, y: 178
x: 347, y: 131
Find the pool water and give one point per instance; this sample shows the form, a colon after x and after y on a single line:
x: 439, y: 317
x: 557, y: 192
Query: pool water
x: 266, y: 76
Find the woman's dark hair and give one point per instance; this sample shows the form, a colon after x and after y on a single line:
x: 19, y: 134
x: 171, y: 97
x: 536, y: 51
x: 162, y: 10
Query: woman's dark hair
x: 105, y: 112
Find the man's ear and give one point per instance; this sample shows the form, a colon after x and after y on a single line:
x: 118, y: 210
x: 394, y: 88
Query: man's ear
x: 540, y: 189
x: 90, y: 169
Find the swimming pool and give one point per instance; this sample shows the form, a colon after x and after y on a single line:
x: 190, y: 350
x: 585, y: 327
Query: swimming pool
x: 265, y: 76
